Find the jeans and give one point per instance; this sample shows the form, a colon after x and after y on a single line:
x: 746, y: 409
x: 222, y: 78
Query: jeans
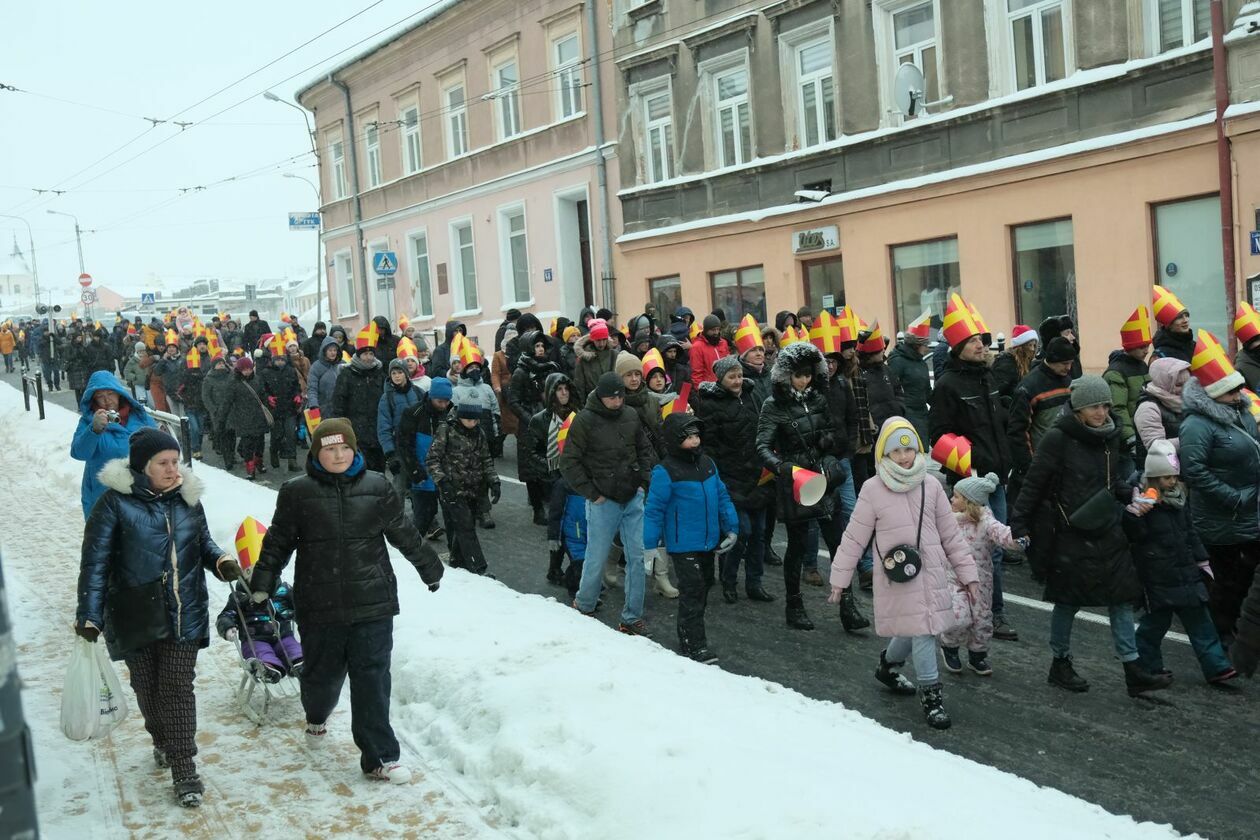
x: 750, y: 547
x: 1122, y: 631
x: 997, y: 503
x: 1197, y: 621
x: 8, y: 363
x: 603, y: 521
x: 922, y: 650
x: 846, y: 501
x: 196, y: 422
x: 695, y: 578
x: 52, y: 372
x: 362, y: 650
x: 555, y: 508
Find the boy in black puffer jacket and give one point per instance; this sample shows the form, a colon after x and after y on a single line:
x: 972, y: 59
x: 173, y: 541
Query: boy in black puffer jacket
x: 1170, y: 559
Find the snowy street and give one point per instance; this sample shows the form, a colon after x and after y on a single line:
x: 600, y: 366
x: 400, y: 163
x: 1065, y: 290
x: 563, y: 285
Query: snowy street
x: 525, y: 720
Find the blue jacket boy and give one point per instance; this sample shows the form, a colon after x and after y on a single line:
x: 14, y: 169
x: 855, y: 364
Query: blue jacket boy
x: 688, y: 509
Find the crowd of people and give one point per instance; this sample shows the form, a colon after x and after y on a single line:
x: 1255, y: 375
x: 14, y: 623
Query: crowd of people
x: 925, y: 464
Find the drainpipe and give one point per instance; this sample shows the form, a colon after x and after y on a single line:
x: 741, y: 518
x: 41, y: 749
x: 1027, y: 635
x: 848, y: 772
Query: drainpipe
x: 1224, y: 167
x: 601, y: 165
x: 354, y: 184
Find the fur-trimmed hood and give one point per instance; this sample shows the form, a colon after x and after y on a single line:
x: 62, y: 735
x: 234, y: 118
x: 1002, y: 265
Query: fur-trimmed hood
x: 117, y: 475
x: 585, y: 348
x: 796, y: 357
x: 1195, y: 400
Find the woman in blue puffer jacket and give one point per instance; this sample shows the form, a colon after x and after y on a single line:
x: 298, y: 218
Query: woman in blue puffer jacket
x: 101, y: 437
x: 146, y: 549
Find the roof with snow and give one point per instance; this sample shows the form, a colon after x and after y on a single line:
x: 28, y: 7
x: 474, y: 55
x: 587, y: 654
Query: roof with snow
x: 14, y: 265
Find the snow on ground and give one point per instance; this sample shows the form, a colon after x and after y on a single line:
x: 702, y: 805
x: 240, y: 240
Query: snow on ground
x: 523, y: 719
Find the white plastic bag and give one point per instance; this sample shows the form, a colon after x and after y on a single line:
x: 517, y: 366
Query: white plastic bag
x: 92, y: 701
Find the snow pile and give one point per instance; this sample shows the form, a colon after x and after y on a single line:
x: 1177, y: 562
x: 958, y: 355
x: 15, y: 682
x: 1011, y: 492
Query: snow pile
x: 558, y: 728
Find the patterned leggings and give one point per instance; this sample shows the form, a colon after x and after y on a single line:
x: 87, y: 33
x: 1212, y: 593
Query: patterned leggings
x: 162, y: 678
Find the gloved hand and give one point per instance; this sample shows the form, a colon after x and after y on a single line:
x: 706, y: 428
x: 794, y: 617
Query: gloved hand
x: 395, y: 466
x: 650, y: 558
x: 229, y: 569
x: 785, y: 468
x: 433, y: 587
x: 297, y: 400
x: 87, y: 631
x: 727, y: 543
x: 496, y: 492
x: 834, y: 597
x: 271, y: 401
x: 1244, y: 657
x: 232, y: 634
x: 833, y: 469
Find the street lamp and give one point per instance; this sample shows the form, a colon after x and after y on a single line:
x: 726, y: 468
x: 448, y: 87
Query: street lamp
x: 271, y: 97
x: 31, y: 237
x: 78, y: 236
x: 319, y: 265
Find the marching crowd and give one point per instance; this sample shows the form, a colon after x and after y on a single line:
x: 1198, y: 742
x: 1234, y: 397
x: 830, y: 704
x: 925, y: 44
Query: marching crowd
x: 925, y: 466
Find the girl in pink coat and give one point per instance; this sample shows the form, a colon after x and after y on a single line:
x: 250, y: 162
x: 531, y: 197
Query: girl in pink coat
x: 897, y: 509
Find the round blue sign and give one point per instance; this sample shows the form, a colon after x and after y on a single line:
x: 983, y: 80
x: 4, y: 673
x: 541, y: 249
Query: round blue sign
x: 1028, y: 285
x: 1171, y: 269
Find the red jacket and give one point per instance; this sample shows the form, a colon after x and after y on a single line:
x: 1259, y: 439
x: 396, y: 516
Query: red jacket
x: 703, y: 355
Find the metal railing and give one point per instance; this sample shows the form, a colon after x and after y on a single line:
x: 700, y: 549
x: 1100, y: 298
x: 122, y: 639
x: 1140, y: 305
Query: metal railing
x: 176, y: 427
x: 31, y: 381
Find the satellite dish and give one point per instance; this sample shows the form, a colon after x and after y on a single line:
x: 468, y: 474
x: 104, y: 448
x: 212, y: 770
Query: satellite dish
x: 908, y: 90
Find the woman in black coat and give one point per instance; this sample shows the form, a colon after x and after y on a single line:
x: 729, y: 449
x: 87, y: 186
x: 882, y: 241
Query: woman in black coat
x: 240, y: 412
x: 1070, y: 506
x: 796, y: 428
x: 146, y: 549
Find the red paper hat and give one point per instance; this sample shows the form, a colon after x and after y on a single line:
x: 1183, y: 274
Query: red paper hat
x: 406, y: 348
x: 677, y: 404
x: 921, y: 327
x: 562, y: 434
x: 249, y: 539
x: 808, y: 487
x: 979, y: 319
x: 1212, y: 368
x: 367, y: 337
x: 748, y: 335
x: 1136, y: 331
x: 826, y: 334
x: 1253, y: 403
x: 1247, y: 324
x: 960, y: 323
x: 276, y: 345
x: 765, y: 478
x: 313, y: 418
x: 193, y: 359
x: 403, y: 323
x: 652, y: 360
x: 847, y: 320
x: 874, y: 342
x: 470, y: 354
x: 790, y: 336
x: 953, y: 452
x: 1166, y: 305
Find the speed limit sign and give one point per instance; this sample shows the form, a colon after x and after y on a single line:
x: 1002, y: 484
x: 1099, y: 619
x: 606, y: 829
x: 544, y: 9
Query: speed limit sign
x: 88, y: 296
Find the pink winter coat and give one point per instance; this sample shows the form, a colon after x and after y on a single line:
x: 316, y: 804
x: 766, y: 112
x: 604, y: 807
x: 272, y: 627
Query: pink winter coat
x: 922, y: 606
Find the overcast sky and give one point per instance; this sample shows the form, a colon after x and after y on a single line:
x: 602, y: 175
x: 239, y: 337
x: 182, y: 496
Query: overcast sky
x: 156, y: 59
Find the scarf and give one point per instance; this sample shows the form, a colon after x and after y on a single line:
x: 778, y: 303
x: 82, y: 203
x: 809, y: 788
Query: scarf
x: 356, y: 361
x: 1170, y: 401
x: 899, y: 479
x: 1102, y: 431
x: 1175, y: 498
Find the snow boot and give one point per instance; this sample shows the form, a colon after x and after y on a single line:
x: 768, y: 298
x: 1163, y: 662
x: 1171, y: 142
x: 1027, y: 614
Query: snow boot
x: 485, y: 521
x: 1064, y: 675
x: 758, y: 593
x: 795, y: 613
x: 934, y: 706
x: 851, y: 617
x: 704, y: 656
x: 813, y: 578
x: 316, y: 735
x: 1138, y: 680
x: 660, y: 578
x: 978, y: 661
x: 556, y: 561
x: 292, y: 465
x: 953, y: 662
x: 393, y: 772
x: 188, y: 792
x: 251, y: 469
x: 886, y: 673
x: 1004, y: 631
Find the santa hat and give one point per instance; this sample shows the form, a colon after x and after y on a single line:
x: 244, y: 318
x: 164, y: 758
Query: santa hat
x: 1023, y: 334
x: 1136, y: 331
x: 1212, y: 368
x: 1166, y: 305
x: 1247, y: 324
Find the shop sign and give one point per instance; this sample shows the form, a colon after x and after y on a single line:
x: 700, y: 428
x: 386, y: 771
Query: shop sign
x: 817, y: 239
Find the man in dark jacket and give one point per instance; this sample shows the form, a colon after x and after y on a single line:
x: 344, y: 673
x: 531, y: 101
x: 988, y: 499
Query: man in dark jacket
x: 310, y: 347
x: 607, y: 459
x: 98, y: 353
x: 282, y: 392
x: 1060, y: 326
x: 508, y: 321
x: 676, y: 356
x: 338, y: 517
x: 357, y: 397
x: 440, y: 361
x: 965, y: 402
x: 386, y: 342
x: 255, y: 329
x: 1037, y: 403
x: 909, y: 370
x: 190, y: 392
x: 1127, y: 374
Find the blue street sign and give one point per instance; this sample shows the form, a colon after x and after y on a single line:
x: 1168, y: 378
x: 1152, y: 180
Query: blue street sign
x: 304, y: 221
x: 547, y: 275
x: 385, y: 263
x: 1255, y: 243
x: 148, y: 298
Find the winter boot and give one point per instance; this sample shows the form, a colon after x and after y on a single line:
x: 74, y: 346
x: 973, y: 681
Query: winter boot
x: 729, y: 594
x: 556, y: 561
x: 813, y: 578
x: 292, y: 465
x: 660, y: 578
x: 1138, y: 680
x: 851, y: 617
x: 758, y: 593
x: 188, y: 792
x: 978, y: 661
x: 634, y: 628
x: 540, y: 515
x: 887, y: 674
x: 251, y: 469
x: 953, y: 662
x: 316, y: 735
x: 704, y: 656
x: 934, y: 706
x: 393, y: 772
x: 796, y: 617
x: 772, y: 557
x: 275, y: 458
x: 1064, y: 675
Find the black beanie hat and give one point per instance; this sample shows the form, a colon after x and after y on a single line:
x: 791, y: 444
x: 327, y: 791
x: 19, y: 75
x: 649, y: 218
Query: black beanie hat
x: 1060, y: 350
x: 711, y: 321
x: 146, y: 443
x: 469, y: 411
x: 610, y: 385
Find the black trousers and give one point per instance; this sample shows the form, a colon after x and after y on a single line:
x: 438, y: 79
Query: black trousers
x: 162, y: 678
x: 283, y: 437
x: 461, y: 529
x: 695, y: 579
x: 798, y: 545
x: 225, y: 441
x: 1233, y: 567
x: 250, y: 446
x: 331, y: 651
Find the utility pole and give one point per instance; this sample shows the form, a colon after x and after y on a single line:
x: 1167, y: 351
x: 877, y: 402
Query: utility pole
x: 319, y: 203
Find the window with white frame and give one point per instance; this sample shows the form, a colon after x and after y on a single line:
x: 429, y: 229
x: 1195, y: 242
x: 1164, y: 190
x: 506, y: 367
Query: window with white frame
x: 1178, y: 23
x: 507, y: 97
x: 914, y: 42
x: 1039, y: 34
x: 421, y: 282
x: 456, y: 120
x: 568, y: 60
x: 815, y: 87
x: 343, y: 274
x: 372, y: 143
x: 514, y: 254
x: 732, y: 116
x: 462, y: 254
x: 337, y: 154
x: 658, y: 134
x: 409, y: 121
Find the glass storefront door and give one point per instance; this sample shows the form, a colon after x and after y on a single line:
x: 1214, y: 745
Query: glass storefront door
x: 1189, y: 260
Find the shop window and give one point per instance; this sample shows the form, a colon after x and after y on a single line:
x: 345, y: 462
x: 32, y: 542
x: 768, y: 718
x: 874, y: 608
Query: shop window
x: 1045, y: 271
x: 925, y: 274
x: 824, y: 278
x: 1178, y: 23
x: 740, y: 291
x: 1038, y: 38
x: 666, y: 295
x: 1189, y: 260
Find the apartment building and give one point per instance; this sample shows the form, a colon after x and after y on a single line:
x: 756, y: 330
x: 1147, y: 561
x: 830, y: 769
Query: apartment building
x: 1065, y: 161
x: 468, y: 144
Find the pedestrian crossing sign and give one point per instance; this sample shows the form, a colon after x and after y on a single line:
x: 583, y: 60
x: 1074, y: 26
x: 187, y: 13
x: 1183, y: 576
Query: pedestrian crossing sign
x: 385, y: 263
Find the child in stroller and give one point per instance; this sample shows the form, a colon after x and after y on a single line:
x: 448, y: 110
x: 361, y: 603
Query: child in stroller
x: 264, y: 631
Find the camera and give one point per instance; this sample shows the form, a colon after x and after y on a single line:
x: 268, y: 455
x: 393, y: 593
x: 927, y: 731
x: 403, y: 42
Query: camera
x: 112, y: 417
